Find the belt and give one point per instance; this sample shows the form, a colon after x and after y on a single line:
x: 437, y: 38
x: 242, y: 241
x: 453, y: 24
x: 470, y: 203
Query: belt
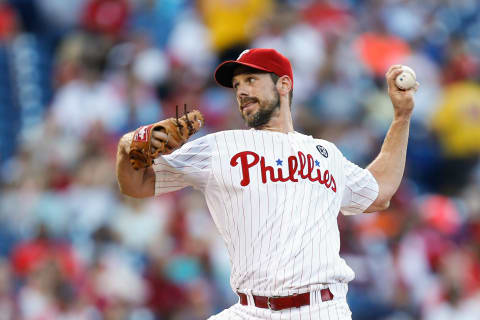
x: 284, y: 302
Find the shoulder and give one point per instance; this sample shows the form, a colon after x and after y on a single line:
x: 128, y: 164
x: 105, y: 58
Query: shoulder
x: 213, y: 138
x: 199, y: 141
x: 326, y: 148
x: 326, y: 144
x: 231, y: 132
x: 228, y: 134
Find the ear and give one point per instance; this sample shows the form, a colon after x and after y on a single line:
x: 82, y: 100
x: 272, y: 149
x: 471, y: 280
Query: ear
x: 284, y: 85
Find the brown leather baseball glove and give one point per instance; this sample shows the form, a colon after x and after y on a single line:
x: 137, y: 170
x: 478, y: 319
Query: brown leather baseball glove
x: 178, y: 130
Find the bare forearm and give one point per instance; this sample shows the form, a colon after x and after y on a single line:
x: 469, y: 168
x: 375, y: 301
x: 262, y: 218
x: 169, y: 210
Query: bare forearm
x: 389, y: 165
x: 136, y: 183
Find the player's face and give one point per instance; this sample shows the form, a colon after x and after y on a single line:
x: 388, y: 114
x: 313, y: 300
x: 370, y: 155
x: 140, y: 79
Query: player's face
x: 257, y: 97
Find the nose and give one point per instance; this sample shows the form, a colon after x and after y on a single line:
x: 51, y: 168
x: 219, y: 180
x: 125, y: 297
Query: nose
x: 242, y: 90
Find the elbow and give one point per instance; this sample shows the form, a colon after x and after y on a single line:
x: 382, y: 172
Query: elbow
x: 379, y: 204
x: 384, y: 197
x: 135, y: 184
x: 125, y: 191
x: 132, y: 192
x: 383, y: 205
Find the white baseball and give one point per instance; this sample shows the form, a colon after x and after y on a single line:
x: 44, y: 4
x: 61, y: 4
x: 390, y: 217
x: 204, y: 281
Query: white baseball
x: 407, y: 79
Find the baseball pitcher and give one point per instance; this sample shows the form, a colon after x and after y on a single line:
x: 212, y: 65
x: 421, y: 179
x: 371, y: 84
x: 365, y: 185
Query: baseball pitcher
x: 273, y: 193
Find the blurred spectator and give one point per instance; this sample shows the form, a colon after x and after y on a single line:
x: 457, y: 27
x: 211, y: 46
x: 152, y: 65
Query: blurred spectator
x: 379, y: 51
x: 106, y: 16
x: 41, y: 251
x: 61, y: 14
x: 8, y: 21
x: 7, y: 298
x: 457, y: 119
x: 233, y: 22
x: 88, y: 101
x: 156, y: 19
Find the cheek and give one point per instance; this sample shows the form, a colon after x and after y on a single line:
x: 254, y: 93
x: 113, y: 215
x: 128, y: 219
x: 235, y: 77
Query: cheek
x: 267, y: 95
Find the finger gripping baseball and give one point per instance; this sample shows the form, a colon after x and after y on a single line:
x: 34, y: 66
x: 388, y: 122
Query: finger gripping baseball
x: 178, y: 131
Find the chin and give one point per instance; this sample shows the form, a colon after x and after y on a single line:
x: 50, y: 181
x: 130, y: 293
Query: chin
x: 249, y: 117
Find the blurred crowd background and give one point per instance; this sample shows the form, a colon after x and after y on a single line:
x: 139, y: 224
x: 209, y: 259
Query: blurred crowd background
x: 75, y: 75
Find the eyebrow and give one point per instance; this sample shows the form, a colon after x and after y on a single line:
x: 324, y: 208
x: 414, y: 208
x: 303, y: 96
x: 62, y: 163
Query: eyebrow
x: 248, y: 72
x: 245, y: 73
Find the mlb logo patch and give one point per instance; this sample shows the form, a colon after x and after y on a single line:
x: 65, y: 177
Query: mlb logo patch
x: 322, y: 151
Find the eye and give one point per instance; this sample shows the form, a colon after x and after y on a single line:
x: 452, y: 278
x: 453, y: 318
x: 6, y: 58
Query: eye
x: 250, y: 79
x: 235, y: 85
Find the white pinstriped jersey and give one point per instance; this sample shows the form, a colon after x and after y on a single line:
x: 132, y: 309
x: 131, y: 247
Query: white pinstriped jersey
x: 274, y: 198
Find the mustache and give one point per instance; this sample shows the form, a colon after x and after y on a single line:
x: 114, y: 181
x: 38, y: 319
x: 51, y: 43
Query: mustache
x: 246, y: 100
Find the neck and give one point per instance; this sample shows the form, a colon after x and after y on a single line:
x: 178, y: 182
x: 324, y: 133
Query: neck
x: 281, y: 120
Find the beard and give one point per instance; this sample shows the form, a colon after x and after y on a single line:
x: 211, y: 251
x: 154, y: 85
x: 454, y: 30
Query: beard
x: 264, y: 112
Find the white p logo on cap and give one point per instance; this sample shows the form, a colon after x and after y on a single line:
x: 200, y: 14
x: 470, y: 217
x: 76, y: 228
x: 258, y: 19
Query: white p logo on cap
x: 243, y: 52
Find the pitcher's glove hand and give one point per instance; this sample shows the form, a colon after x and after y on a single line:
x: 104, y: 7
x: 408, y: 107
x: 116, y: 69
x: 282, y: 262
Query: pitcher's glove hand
x: 162, y: 137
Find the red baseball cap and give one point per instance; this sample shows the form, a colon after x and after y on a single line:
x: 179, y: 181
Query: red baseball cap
x: 268, y: 60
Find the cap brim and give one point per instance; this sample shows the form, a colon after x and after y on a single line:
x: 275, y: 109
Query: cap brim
x: 224, y: 72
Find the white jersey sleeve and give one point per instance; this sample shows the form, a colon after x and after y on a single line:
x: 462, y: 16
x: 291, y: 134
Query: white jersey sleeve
x: 189, y: 165
x: 361, y: 189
